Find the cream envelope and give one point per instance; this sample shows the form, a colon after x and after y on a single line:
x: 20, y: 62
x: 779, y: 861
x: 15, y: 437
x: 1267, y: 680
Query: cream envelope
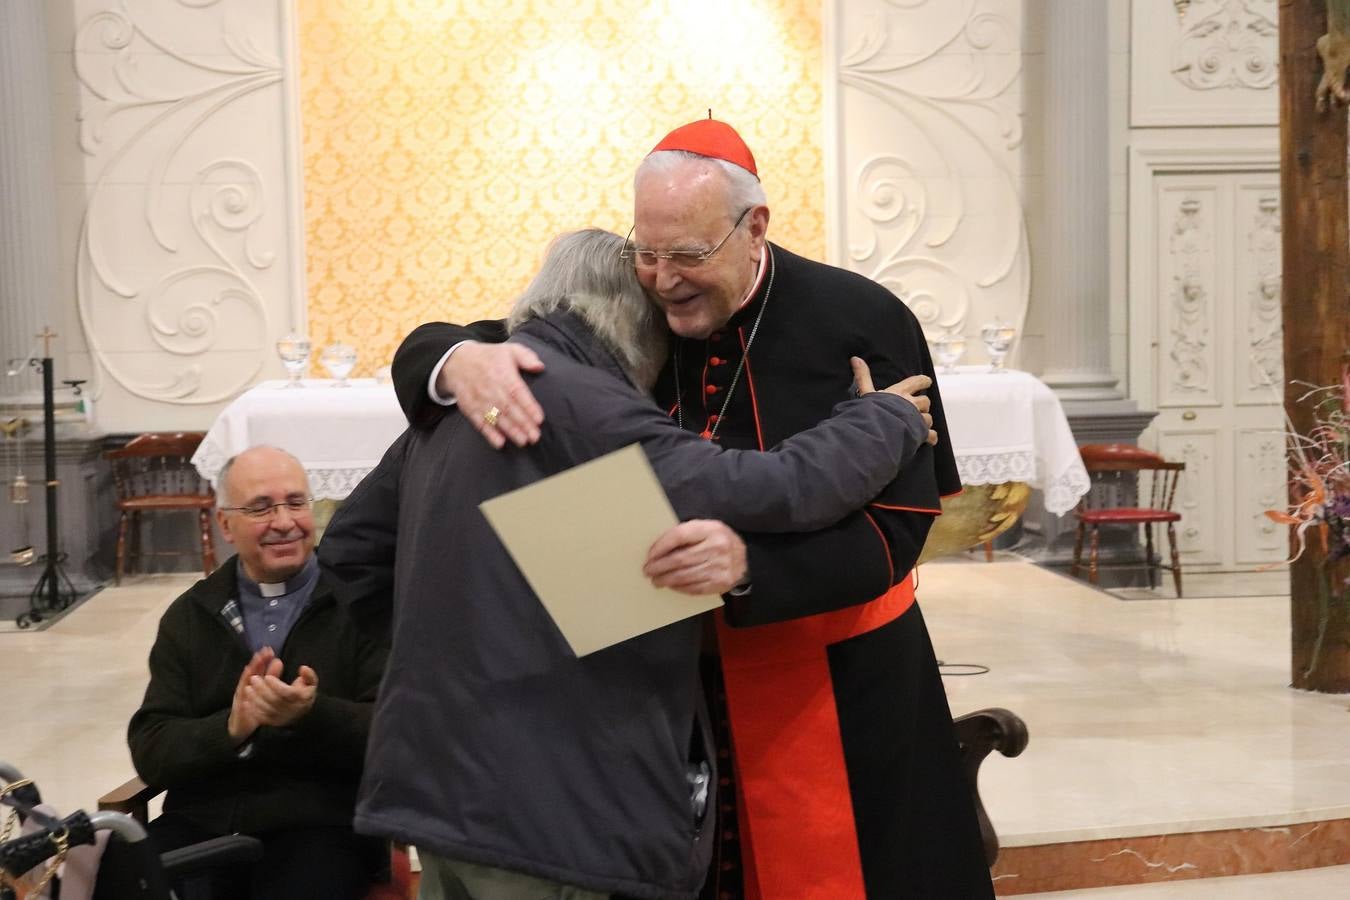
x: 580, y: 538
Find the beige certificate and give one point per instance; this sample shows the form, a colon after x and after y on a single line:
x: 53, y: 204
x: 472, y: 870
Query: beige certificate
x: 581, y: 537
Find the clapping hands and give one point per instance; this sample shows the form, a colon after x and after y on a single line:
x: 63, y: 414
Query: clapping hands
x: 262, y: 698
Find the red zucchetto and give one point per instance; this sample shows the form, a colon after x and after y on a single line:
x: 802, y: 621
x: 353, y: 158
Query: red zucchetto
x: 709, y: 137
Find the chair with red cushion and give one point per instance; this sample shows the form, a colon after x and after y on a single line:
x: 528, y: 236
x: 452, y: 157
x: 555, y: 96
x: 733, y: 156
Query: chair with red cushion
x: 1115, y: 500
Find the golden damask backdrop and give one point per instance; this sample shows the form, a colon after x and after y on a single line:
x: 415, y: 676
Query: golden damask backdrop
x: 446, y: 141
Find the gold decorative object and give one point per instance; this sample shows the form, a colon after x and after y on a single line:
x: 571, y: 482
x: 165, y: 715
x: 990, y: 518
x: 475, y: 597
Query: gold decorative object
x: 978, y: 514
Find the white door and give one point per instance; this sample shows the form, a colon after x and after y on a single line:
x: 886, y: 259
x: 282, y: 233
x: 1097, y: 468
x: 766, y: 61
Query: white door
x: 1217, y: 361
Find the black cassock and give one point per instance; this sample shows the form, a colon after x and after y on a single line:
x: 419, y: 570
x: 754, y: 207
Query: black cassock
x: 847, y: 775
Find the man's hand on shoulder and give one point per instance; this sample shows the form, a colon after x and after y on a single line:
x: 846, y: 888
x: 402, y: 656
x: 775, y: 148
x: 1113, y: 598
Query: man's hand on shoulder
x: 485, y: 381
x: 909, y: 388
x: 698, y: 557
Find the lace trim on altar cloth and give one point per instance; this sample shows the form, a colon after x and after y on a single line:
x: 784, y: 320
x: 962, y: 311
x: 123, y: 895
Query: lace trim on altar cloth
x: 326, y: 484
x: 1061, y: 490
x: 209, y: 461
x: 996, y: 468
x: 336, y: 484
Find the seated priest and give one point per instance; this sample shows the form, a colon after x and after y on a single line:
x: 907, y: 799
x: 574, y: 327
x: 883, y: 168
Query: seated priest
x: 517, y: 768
x: 260, y: 699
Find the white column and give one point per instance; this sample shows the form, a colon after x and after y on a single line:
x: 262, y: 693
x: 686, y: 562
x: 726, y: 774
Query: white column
x: 28, y: 223
x: 1075, y: 295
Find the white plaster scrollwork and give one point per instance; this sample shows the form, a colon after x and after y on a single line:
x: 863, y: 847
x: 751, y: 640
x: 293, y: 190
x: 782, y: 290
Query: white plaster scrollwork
x: 1259, y: 454
x: 1195, y: 458
x: 1268, y: 463
x: 1189, y: 350
x: 1232, y: 44
x: 949, y: 243
x: 192, y: 280
x: 1265, y: 339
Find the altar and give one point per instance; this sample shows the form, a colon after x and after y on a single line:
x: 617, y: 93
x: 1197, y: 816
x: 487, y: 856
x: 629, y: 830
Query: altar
x: 337, y: 433
x: 1008, y: 430
x: 1010, y: 436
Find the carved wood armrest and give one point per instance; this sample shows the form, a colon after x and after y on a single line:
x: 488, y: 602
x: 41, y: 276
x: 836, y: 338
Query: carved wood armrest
x: 980, y: 733
x: 131, y: 798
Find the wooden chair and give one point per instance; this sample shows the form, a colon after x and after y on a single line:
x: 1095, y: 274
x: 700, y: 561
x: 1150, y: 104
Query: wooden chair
x: 1115, y: 500
x: 133, y: 798
x: 153, y: 473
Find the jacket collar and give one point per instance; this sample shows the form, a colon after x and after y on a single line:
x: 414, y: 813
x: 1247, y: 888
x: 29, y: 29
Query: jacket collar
x: 567, y: 333
x: 218, y: 593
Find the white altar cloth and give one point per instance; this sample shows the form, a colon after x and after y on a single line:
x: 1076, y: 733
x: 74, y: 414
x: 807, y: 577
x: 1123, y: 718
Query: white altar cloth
x: 1010, y: 427
x: 338, y: 434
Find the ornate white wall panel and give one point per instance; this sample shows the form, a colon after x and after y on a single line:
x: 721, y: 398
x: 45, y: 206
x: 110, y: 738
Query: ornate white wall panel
x: 1258, y: 340
x: 1204, y: 62
x: 1259, y: 486
x: 1199, y: 494
x: 1204, y: 233
x: 925, y: 155
x: 1189, y: 282
x: 188, y: 261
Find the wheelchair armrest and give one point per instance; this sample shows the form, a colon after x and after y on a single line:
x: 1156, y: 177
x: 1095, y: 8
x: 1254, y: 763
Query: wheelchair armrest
x: 132, y: 798
x: 231, y: 850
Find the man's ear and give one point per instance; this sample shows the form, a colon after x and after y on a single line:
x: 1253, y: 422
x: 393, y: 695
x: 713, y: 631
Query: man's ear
x: 224, y: 522
x: 759, y: 229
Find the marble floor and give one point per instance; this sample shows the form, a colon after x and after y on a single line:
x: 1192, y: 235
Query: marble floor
x: 1329, y: 883
x: 1146, y: 716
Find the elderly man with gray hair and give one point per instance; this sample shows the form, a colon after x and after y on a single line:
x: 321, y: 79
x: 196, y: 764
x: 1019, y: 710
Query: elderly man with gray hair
x: 517, y: 768
x: 260, y: 697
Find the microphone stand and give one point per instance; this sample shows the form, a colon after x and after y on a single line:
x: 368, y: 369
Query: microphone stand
x: 54, y: 591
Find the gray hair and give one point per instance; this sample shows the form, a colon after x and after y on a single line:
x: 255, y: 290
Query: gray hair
x: 743, y: 188
x: 223, y: 476
x: 582, y: 271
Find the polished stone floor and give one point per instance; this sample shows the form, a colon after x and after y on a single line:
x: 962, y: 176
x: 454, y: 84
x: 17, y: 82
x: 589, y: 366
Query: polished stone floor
x: 1146, y: 716
x: 1330, y: 883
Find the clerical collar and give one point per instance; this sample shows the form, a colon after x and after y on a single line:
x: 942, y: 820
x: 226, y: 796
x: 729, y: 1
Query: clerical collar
x: 759, y: 277
x: 711, y: 433
x: 280, y: 588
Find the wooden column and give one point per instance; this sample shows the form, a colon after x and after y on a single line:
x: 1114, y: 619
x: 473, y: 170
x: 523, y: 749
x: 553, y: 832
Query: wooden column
x: 1316, y: 306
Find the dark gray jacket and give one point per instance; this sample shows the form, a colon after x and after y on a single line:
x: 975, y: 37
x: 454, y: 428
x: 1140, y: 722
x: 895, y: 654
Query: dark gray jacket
x: 492, y: 743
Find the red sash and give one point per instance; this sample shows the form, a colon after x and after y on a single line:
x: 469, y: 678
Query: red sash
x: 798, y: 838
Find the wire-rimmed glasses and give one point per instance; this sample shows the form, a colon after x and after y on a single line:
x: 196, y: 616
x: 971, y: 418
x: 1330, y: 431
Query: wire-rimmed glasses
x: 295, y: 504
x: 647, y: 258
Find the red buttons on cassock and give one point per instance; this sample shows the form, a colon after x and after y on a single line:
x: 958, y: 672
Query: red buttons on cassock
x: 715, y: 336
x: 715, y: 361
x: 710, y: 389
x: 712, y: 420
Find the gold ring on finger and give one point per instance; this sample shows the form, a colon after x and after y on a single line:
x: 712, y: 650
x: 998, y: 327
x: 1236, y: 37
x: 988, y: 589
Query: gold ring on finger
x: 490, y: 417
